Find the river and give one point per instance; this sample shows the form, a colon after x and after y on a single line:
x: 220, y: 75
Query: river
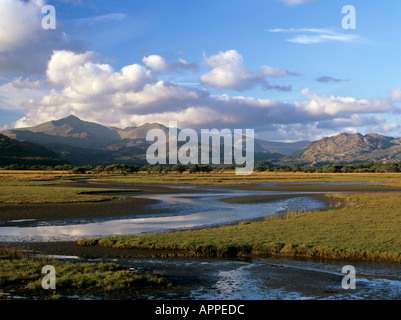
x: 222, y: 279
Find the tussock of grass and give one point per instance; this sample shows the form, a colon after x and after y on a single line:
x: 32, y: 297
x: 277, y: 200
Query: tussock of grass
x: 366, y: 227
x: 21, y: 272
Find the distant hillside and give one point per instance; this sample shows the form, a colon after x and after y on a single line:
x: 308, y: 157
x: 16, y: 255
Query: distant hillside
x: 67, y: 131
x: 82, y: 142
x: 279, y: 147
x: 134, y: 133
x: 347, y: 149
x: 26, y: 153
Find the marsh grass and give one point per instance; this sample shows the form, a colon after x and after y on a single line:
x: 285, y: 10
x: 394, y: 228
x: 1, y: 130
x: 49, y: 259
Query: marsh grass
x: 229, y: 177
x: 365, y: 226
x: 25, y: 187
x: 55, y: 194
x: 21, y: 272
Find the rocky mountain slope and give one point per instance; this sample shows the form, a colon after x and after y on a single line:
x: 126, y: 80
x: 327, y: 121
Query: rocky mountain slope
x: 347, y: 149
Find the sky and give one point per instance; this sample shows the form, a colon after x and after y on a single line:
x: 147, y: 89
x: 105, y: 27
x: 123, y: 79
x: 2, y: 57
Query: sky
x: 289, y: 69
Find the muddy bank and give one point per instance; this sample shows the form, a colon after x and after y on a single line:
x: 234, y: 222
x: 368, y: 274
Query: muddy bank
x: 111, y: 208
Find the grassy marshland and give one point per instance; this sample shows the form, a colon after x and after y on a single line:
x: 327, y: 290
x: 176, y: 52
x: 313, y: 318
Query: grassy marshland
x: 41, y: 187
x: 367, y: 227
x: 21, y: 273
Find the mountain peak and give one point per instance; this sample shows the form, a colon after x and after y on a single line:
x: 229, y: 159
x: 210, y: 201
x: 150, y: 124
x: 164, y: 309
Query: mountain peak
x: 346, y: 148
x: 71, y: 119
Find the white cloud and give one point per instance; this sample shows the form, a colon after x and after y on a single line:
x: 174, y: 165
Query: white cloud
x: 80, y: 84
x: 25, y: 47
x: 19, y: 22
x: 229, y: 72
x: 159, y: 64
x: 355, y: 120
x: 84, y: 75
x: 27, y: 83
x: 318, y: 35
x: 102, y: 18
x: 385, y: 128
x: 156, y: 62
x: 287, y: 133
x: 156, y: 97
x: 329, y: 105
x: 395, y: 94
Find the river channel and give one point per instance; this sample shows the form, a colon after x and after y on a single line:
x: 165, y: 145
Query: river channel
x: 206, y: 278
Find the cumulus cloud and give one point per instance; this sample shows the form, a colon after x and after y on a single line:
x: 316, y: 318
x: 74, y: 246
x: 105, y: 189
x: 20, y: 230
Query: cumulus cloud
x: 329, y: 105
x: 83, y: 74
x: 25, y: 47
x: 81, y: 84
x: 18, y: 20
x: 84, y: 85
x: 159, y: 64
x: 229, y: 72
x: 156, y: 62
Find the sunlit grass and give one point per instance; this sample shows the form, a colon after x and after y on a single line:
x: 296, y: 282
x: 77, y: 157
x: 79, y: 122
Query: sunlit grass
x: 366, y: 227
x: 22, y: 273
x: 41, y: 194
x: 230, y: 178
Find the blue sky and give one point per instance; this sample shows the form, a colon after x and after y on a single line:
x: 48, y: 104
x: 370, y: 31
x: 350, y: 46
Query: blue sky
x: 288, y: 70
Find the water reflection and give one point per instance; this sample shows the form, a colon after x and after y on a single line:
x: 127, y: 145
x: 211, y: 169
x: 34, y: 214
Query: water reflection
x: 190, y: 211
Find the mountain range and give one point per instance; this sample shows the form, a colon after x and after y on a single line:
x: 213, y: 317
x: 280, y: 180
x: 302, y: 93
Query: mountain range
x: 81, y: 143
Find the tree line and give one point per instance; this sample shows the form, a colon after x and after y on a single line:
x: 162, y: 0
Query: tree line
x: 195, y: 168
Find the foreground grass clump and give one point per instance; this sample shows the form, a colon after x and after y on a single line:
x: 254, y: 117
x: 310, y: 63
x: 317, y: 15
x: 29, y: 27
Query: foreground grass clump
x: 367, y: 227
x: 21, y: 273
